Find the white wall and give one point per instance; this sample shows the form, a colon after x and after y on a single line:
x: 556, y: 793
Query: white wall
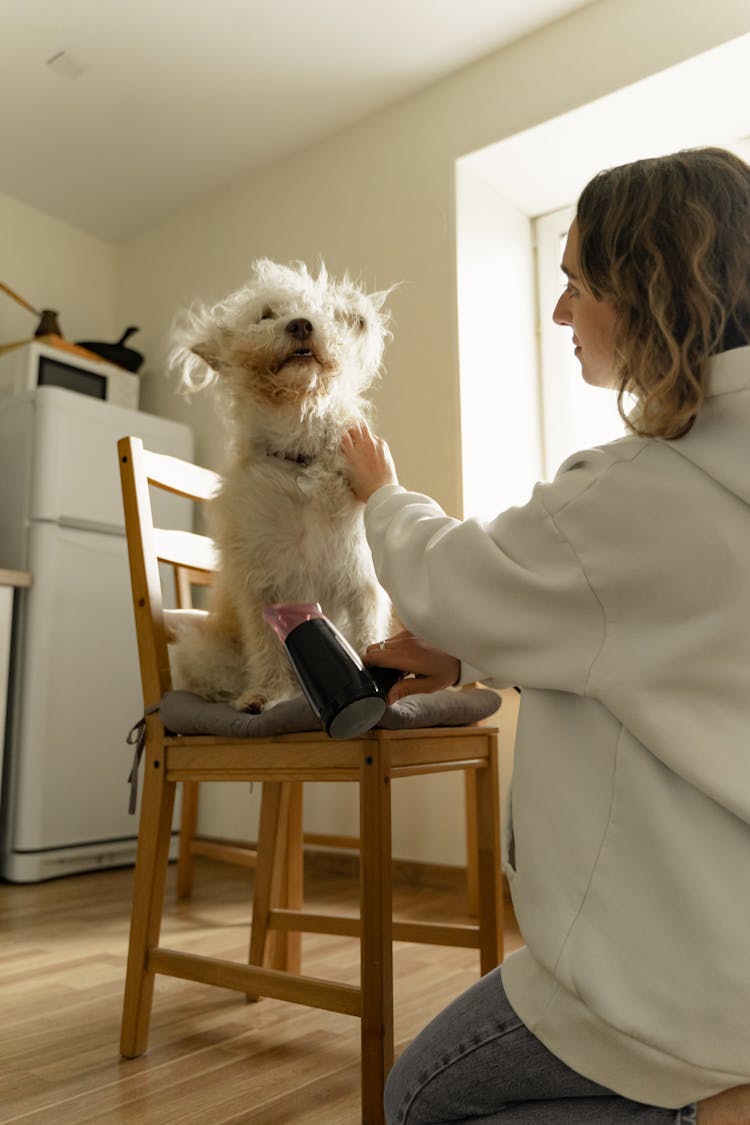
x: 56, y: 266
x: 496, y: 299
x: 378, y: 199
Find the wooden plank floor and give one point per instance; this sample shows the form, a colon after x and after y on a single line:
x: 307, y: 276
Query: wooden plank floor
x: 213, y: 1059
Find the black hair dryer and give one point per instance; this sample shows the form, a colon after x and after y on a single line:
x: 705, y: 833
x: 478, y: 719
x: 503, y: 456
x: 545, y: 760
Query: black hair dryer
x: 342, y: 692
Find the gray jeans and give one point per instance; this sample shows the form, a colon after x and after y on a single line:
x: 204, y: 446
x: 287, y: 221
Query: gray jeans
x: 477, y: 1064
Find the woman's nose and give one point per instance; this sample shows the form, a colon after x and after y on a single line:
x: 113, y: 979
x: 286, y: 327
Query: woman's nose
x: 560, y: 313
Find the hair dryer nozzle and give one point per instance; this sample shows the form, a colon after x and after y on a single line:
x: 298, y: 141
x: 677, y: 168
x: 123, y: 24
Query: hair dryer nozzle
x: 285, y: 616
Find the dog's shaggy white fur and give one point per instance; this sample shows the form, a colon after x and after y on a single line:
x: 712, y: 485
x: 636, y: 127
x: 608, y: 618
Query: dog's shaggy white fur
x: 291, y: 355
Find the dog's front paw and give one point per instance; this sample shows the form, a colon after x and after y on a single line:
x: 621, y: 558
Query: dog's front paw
x: 249, y: 701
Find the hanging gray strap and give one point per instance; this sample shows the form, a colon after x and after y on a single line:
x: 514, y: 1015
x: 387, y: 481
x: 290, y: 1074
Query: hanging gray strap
x: 137, y: 737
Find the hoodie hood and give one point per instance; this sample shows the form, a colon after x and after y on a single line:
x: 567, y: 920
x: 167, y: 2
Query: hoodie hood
x: 725, y: 411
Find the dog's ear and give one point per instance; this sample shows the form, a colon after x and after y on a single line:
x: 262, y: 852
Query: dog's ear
x: 198, y: 347
x: 209, y: 351
x: 203, y: 332
x: 381, y: 296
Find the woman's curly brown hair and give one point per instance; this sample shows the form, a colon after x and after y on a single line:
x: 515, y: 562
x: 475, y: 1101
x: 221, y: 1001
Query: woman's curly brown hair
x: 668, y: 241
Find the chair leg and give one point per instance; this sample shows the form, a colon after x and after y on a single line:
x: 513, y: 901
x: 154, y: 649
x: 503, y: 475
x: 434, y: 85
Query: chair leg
x: 470, y: 805
x: 280, y: 807
x: 188, y: 827
x: 376, y: 928
x: 488, y: 860
x: 284, y: 947
x: 152, y: 858
x: 266, y: 868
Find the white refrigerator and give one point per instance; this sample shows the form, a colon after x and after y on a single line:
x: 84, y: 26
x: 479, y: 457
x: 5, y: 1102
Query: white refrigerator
x: 75, y: 691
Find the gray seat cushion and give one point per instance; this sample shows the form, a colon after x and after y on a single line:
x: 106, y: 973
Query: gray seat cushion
x: 182, y: 712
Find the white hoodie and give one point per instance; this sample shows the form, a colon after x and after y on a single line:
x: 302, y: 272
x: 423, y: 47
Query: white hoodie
x: 618, y: 599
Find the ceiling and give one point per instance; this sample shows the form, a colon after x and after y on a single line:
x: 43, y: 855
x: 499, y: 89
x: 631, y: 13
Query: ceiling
x: 119, y: 113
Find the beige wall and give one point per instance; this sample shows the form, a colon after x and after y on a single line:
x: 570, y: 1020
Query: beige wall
x: 54, y: 265
x: 378, y: 200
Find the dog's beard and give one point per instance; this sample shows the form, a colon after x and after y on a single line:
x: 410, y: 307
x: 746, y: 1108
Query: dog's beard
x: 282, y: 379
x: 305, y: 360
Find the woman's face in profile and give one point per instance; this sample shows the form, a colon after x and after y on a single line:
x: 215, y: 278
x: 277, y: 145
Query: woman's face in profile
x: 591, y: 318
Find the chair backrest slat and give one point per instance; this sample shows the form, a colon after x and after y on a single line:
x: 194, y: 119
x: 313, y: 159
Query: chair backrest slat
x: 174, y: 475
x: 189, y: 554
x: 184, y: 548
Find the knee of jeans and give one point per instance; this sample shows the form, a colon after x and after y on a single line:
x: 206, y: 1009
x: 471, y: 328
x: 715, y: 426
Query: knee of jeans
x: 395, y: 1092
x: 391, y: 1098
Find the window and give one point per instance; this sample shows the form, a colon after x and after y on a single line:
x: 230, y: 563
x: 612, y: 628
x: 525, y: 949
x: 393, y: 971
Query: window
x: 573, y: 414
x: 524, y: 405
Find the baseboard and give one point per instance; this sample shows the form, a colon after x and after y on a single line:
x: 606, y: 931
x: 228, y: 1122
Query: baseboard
x: 406, y: 872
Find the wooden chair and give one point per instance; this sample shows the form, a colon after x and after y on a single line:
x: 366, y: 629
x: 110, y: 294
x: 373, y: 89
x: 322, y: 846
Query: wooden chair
x: 282, y: 764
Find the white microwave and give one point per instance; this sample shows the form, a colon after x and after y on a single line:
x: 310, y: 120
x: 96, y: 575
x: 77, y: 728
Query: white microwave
x: 33, y: 365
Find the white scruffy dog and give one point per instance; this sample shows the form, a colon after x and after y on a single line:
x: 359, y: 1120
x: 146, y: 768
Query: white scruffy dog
x: 292, y: 356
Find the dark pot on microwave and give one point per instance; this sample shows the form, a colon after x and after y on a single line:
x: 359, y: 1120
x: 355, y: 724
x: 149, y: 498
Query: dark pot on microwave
x: 117, y: 353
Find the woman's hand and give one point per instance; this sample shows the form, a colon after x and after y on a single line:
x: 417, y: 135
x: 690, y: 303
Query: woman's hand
x: 429, y: 669
x: 369, y: 461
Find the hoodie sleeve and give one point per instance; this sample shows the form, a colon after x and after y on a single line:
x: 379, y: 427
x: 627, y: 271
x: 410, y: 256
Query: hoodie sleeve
x: 509, y: 598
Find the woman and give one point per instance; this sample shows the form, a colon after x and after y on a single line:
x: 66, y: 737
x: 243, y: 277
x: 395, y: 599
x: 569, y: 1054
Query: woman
x: 618, y: 598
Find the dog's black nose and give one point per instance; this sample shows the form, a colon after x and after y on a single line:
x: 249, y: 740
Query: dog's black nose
x: 299, y: 328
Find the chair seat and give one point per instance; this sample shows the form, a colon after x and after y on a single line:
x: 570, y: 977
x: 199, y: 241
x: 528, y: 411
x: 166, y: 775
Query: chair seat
x: 306, y: 756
